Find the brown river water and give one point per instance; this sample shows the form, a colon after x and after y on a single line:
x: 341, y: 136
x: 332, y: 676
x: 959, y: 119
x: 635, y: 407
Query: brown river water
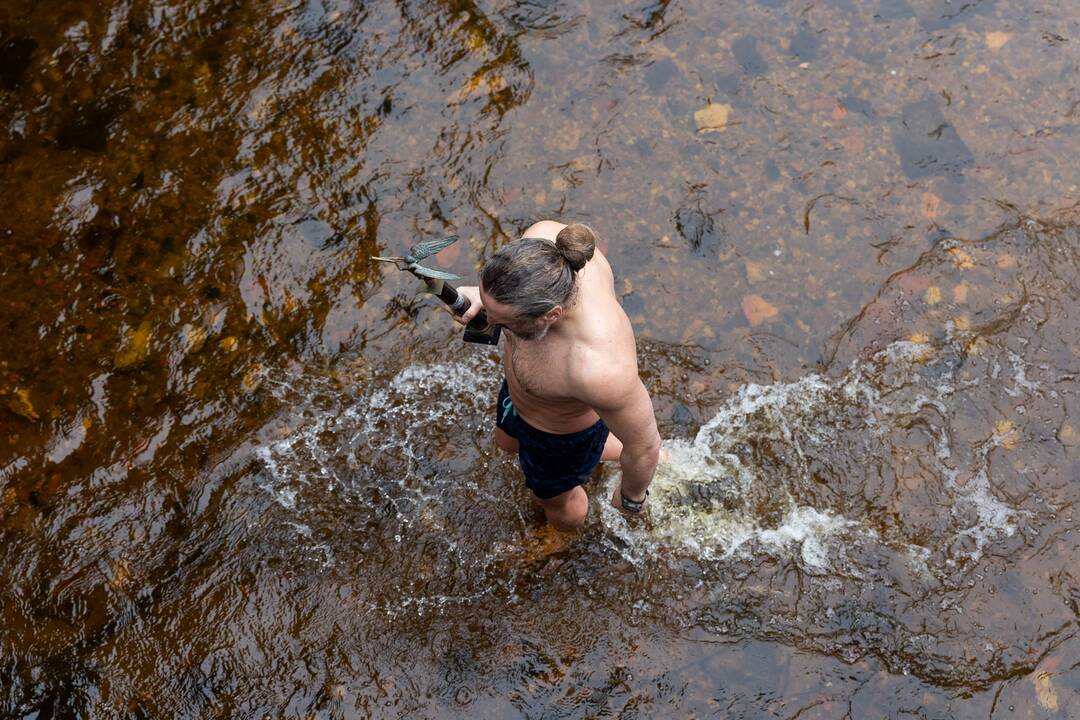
x: 245, y: 472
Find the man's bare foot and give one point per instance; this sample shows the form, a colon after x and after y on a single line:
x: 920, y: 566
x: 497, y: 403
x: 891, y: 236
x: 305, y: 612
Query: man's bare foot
x: 664, y: 455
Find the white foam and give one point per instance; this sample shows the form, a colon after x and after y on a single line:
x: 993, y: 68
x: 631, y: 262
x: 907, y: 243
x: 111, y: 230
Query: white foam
x: 810, y: 530
x: 701, y: 499
x: 995, y: 518
x: 1020, y: 376
x: 705, y: 528
x: 389, y: 419
x: 13, y: 467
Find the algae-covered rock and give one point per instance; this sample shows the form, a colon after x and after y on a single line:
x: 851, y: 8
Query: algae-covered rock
x: 135, y: 347
x: 19, y: 403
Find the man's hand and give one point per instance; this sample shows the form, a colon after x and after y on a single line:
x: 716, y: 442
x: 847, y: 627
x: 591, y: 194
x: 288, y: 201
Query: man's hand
x: 471, y: 292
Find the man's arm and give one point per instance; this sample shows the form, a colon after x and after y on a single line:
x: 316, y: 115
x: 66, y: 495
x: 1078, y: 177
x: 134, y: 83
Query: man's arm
x: 622, y: 402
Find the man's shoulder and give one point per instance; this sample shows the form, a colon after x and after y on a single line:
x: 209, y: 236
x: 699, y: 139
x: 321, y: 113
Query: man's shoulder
x: 601, y: 374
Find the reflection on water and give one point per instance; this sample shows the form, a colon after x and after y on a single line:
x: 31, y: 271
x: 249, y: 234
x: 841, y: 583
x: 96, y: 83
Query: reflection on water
x: 243, y: 472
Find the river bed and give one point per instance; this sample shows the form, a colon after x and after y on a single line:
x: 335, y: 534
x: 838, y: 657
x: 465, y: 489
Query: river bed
x: 246, y: 472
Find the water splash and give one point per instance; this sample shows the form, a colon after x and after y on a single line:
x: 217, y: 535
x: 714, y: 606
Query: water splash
x: 870, y: 484
x: 775, y: 471
x: 754, y: 478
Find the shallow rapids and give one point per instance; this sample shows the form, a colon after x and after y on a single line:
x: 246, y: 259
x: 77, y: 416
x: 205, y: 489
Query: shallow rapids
x: 881, y: 489
x: 248, y: 473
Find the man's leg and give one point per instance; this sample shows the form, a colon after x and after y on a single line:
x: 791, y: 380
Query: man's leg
x: 566, y: 511
x: 505, y: 442
x: 612, y: 448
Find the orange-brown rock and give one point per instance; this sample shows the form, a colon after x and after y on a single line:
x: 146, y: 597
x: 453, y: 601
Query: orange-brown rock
x: 757, y: 310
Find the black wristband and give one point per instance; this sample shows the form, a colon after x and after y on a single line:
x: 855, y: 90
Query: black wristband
x: 633, y: 506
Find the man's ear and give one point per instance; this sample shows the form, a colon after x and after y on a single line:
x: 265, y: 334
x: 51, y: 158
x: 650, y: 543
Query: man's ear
x: 553, y: 314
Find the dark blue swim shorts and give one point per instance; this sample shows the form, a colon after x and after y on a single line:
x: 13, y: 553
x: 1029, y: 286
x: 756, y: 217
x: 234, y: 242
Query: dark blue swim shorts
x: 552, y: 463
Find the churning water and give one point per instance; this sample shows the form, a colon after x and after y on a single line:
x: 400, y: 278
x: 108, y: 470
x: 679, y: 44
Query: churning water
x: 882, y: 486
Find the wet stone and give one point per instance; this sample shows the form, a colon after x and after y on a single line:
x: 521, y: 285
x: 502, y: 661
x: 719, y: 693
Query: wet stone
x: 857, y: 105
x: 937, y: 235
x: 659, y: 73
x: 712, y: 118
x: 746, y: 54
x: 894, y: 10
x: 713, y: 495
x: 135, y: 347
x: 728, y: 83
x: 20, y: 404
x: 314, y: 233
x: 194, y: 338
x: 938, y: 14
x: 805, y: 44
x: 682, y: 416
x: 15, y: 58
x: 88, y: 127
x: 698, y: 229
x: 927, y: 144
x: 758, y: 310
x: 633, y: 304
x: 1045, y: 692
x: 996, y: 40
x: 772, y: 172
x: 253, y: 378
x: 47, y: 491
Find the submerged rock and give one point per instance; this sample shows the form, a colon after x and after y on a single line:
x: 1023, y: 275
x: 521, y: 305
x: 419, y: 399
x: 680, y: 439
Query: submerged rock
x: 996, y: 40
x: 712, y: 118
x: 193, y: 338
x: 135, y: 347
x: 701, y: 231
x: 746, y: 54
x: 894, y: 10
x: 89, y: 125
x: 659, y: 73
x: 15, y: 58
x: 927, y: 144
x: 805, y: 44
x: 938, y: 14
x: 758, y: 310
x: 20, y: 404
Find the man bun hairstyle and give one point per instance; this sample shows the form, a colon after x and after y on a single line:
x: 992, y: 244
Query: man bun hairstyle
x: 534, y: 276
x: 576, y: 243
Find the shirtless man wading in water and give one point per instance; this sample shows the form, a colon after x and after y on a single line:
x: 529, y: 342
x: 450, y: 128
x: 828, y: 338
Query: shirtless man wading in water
x: 571, y: 371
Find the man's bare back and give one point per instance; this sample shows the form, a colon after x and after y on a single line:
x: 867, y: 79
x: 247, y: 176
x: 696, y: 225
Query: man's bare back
x: 544, y: 374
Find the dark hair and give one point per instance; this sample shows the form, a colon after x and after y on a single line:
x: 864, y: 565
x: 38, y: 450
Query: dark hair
x: 533, y: 275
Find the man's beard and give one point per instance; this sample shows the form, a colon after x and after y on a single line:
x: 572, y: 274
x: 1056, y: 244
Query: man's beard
x: 536, y: 330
